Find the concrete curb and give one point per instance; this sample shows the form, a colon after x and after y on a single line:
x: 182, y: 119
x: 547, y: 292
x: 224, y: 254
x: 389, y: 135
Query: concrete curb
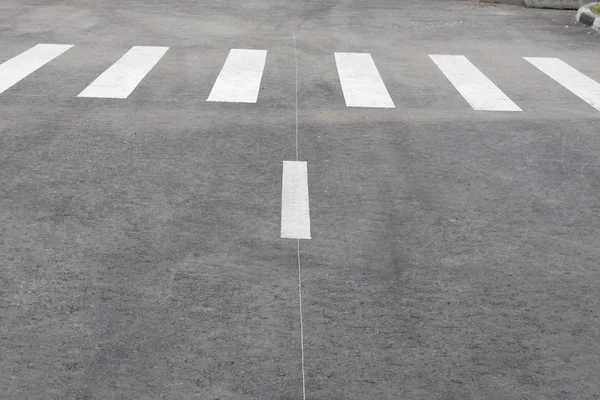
x: 512, y: 2
x: 556, y: 4
x: 587, y: 17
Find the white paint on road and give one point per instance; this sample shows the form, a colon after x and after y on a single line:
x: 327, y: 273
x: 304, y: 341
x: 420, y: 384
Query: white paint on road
x: 581, y: 85
x: 19, y: 67
x: 295, y: 214
x: 361, y: 83
x: 240, y: 77
x: 125, y: 75
x: 480, y: 92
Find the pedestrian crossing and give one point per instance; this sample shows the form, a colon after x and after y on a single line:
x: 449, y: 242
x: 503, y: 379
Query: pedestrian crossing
x: 361, y: 83
x: 21, y: 66
x: 579, y: 84
x: 125, y: 75
x: 480, y: 92
x: 242, y: 76
x: 239, y: 80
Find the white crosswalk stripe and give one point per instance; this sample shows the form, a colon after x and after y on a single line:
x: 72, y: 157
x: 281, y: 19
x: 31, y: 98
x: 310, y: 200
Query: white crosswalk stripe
x: 125, y: 75
x: 239, y: 80
x: 295, y: 213
x: 21, y: 66
x: 581, y: 85
x: 361, y: 83
x: 480, y: 92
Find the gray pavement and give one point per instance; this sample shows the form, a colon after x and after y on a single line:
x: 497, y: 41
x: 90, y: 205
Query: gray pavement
x: 454, y: 252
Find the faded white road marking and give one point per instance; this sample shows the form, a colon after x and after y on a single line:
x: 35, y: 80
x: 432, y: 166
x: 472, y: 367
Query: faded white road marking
x: 19, y: 67
x: 295, y: 214
x: 240, y: 77
x: 361, y: 83
x: 581, y: 85
x: 473, y: 85
x: 122, y: 77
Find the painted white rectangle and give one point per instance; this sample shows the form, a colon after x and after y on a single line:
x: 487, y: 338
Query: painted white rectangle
x: 480, y: 92
x: 361, y: 83
x: 19, y: 67
x: 125, y: 75
x: 295, y: 214
x: 240, y: 77
x: 581, y: 85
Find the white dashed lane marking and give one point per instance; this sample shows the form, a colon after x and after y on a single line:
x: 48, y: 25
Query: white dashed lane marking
x: 295, y: 214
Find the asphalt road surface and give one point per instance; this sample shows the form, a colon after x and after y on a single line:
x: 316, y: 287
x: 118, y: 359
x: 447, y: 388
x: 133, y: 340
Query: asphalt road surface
x: 449, y: 186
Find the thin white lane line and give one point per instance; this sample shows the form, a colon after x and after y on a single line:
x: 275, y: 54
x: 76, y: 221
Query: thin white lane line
x: 121, y: 78
x: 361, y: 82
x: 476, y: 88
x: 298, y: 241
x: 19, y: 67
x: 240, y: 78
x: 579, y: 84
x: 296, y: 60
x: 301, y: 322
